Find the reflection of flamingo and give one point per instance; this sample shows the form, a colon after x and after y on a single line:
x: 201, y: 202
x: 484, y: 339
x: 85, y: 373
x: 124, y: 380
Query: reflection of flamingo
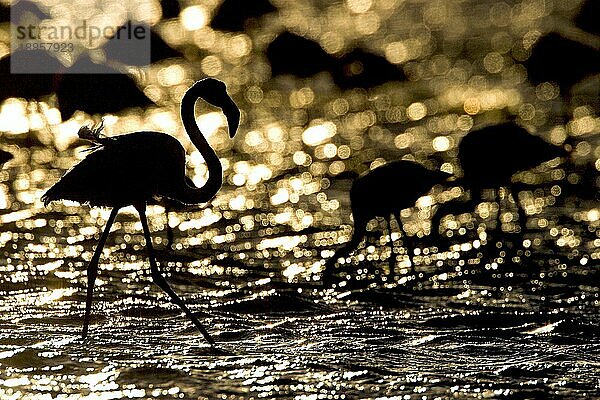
x: 130, y: 169
x: 384, y: 192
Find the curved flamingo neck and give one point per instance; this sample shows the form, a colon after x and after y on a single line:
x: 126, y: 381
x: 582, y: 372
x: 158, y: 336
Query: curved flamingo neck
x: 193, y: 195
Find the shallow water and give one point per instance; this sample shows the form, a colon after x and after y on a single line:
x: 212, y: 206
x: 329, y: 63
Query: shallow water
x: 483, y: 313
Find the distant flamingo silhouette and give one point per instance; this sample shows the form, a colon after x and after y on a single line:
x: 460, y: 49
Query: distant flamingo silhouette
x: 133, y: 168
x: 384, y: 192
x: 566, y: 61
x: 288, y: 52
x: 97, y: 89
x: 490, y: 156
x: 234, y: 15
x: 85, y: 86
x: 27, y: 83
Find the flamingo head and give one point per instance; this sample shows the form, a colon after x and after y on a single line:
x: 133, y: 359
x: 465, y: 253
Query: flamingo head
x: 214, y: 91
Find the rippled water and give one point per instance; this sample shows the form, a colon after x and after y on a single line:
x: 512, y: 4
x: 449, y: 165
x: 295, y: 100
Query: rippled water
x: 483, y: 313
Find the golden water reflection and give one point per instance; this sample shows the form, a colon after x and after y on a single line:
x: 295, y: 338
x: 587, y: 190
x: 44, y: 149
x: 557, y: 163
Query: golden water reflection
x: 469, y: 313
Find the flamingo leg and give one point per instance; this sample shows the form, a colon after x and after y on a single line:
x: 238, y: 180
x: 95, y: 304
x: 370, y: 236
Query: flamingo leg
x: 392, y: 259
x: 358, y: 233
x: 405, y: 239
x: 456, y: 207
x: 169, y: 229
x: 520, y: 210
x: 161, y: 282
x: 92, y: 270
x: 499, y: 216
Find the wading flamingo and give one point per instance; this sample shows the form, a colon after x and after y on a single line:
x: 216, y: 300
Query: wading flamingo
x: 384, y: 192
x: 133, y: 168
x: 489, y: 157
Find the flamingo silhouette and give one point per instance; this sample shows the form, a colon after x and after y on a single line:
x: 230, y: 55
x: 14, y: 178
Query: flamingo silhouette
x: 90, y: 87
x: 563, y: 60
x: 384, y: 192
x: 362, y: 69
x: 288, y: 52
x: 234, y: 15
x: 85, y: 86
x: 133, y: 168
x: 21, y: 12
x: 490, y: 156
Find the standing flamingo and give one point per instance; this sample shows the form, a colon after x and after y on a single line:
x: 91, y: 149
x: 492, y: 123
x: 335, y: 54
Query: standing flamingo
x: 384, y: 192
x: 133, y: 168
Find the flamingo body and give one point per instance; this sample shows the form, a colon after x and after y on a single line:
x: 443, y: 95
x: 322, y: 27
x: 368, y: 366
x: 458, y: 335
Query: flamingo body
x: 132, y: 51
x: 587, y: 17
x: 561, y: 60
x: 26, y: 82
x: 490, y: 156
x: 124, y: 170
x: 362, y: 69
x: 389, y: 189
x: 291, y: 54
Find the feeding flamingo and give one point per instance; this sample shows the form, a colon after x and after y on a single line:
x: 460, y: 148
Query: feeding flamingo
x: 489, y: 157
x: 133, y: 168
x: 384, y: 192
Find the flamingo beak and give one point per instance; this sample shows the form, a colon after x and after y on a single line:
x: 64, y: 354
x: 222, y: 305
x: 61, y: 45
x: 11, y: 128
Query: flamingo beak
x: 232, y: 113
